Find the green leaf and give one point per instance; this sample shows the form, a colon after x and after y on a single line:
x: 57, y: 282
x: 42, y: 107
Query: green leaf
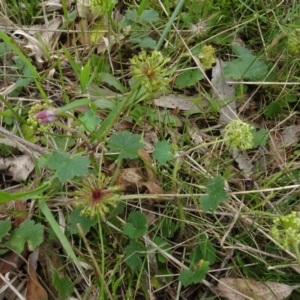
x: 240, y: 51
x: 29, y: 233
x: 6, y: 197
x: 131, y: 15
x: 133, y: 253
x: 246, y: 67
x: 136, y: 225
x: 85, y: 76
x: 260, y: 137
x: 147, y: 42
x: 85, y: 222
x: 111, y: 80
x: 67, y: 167
x: 149, y: 15
x: 215, y: 194
x: 5, y: 227
x: 194, y: 275
x: 63, y: 285
x: 126, y: 143
x: 188, y: 78
x: 162, y: 152
x: 274, y: 108
x: 205, y: 251
x: 168, y: 227
x: 90, y: 121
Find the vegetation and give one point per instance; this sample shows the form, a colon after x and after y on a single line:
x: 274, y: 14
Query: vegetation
x: 150, y: 150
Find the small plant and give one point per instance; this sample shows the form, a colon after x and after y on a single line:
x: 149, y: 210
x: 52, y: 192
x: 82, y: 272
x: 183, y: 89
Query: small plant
x: 286, y: 231
x: 150, y: 71
x: 239, y: 135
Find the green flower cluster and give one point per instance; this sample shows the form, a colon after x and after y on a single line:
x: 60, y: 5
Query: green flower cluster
x: 101, y: 7
x: 207, y: 56
x: 293, y: 43
x: 238, y: 135
x: 94, y: 197
x: 286, y: 231
x: 149, y: 70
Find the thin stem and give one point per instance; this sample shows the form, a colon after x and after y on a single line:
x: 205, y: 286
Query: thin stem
x: 169, y: 24
x: 202, y: 145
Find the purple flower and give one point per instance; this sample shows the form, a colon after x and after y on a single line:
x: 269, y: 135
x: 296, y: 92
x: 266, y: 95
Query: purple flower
x: 46, y: 116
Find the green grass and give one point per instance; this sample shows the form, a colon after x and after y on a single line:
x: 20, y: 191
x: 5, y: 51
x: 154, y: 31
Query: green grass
x: 133, y: 202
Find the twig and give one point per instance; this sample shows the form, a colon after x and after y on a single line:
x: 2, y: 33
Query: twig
x: 29, y: 147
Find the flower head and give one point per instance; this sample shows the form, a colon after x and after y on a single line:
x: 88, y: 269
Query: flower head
x: 207, y: 56
x: 149, y: 70
x: 101, y: 6
x: 286, y: 230
x: 293, y: 43
x: 41, y: 115
x: 95, y: 197
x: 238, y: 135
x: 46, y: 116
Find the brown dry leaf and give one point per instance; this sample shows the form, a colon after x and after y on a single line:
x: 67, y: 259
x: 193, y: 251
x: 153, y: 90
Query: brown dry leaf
x: 277, y: 148
x: 129, y: 178
x: 34, y: 290
x: 223, y: 91
x: 183, y: 103
x: 291, y: 135
x: 242, y: 289
x: 152, y: 187
x: 20, y: 168
x: 40, y: 38
x: 146, y: 158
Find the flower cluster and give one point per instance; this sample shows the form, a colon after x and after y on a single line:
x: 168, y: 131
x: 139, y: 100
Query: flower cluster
x: 149, y: 70
x: 101, y: 7
x: 40, y: 115
x: 293, y: 43
x: 286, y: 231
x: 238, y: 135
x: 95, y: 197
x: 207, y: 56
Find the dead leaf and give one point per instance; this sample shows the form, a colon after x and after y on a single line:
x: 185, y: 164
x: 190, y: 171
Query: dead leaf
x: 277, y: 148
x: 243, y: 160
x: 34, y: 289
x: 40, y: 39
x: 291, y: 135
x: 152, y: 187
x: 223, y: 91
x: 183, y: 103
x: 129, y: 178
x: 146, y: 158
x: 21, y: 167
x: 242, y: 289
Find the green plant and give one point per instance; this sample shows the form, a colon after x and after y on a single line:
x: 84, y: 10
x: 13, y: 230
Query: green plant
x: 286, y: 231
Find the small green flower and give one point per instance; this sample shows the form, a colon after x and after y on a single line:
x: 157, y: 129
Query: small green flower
x: 101, y: 7
x: 238, y: 135
x: 95, y: 197
x: 207, y: 56
x: 286, y: 231
x: 150, y: 71
x: 293, y: 43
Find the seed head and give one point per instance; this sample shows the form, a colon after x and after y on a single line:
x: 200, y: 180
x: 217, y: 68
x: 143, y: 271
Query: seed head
x: 95, y: 197
x: 238, y: 135
x: 149, y: 70
x: 286, y: 230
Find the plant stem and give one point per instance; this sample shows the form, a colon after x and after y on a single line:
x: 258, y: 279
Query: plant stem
x: 169, y: 24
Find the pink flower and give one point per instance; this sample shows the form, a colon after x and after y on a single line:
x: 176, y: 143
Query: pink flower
x: 46, y: 116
